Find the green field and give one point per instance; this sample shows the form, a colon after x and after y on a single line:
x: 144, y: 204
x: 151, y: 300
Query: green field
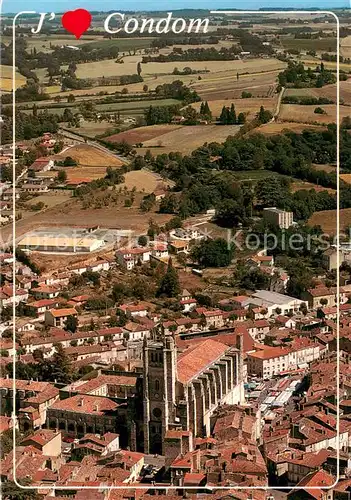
x: 257, y: 175
x: 123, y: 44
x: 136, y: 105
x: 324, y: 44
x: 130, y: 107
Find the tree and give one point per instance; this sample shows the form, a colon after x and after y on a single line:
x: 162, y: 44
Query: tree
x: 169, y: 285
x: 299, y: 282
x: 241, y: 118
x: 224, y: 116
x: 71, y: 323
x: 190, y: 115
x: 143, y: 240
x: 62, y: 176
x: 169, y: 204
x: 145, y: 88
x: 59, y: 367
x: 232, y: 115
x: 264, y: 116
x: 119, y: 292
x: 320, y: 111
x: 139, y: 68
x: 69, y: 162
x: 10, y: 490
x: 6, y: 441
x: 212, y: 253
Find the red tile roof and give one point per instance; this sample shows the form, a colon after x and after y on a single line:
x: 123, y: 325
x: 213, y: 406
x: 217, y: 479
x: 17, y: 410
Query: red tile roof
x: 85, y: 404
x: 59, y: 313
x: 196, y: 358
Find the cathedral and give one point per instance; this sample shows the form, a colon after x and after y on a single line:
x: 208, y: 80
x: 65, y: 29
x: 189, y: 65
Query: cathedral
x: 181, y: 390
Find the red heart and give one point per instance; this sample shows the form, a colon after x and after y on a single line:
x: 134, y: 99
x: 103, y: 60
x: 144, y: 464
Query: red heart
x: 76, y: 21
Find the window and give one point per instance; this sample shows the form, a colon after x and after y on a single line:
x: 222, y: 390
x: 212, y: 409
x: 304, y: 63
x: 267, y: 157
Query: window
x: 157, y: 385
x: 157, y: 412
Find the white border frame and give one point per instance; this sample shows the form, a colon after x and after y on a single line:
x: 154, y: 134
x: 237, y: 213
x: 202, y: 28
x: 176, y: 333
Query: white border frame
x: 167, y: 488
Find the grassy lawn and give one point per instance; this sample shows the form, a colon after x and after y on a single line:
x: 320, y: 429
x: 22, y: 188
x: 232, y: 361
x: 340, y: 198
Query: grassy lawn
x: 257, y: 175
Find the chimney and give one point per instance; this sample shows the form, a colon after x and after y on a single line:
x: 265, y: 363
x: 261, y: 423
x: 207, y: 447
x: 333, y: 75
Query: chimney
x: 81, y: 402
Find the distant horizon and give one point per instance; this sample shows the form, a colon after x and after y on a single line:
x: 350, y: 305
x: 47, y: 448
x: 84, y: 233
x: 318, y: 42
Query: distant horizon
x: 61, y: 6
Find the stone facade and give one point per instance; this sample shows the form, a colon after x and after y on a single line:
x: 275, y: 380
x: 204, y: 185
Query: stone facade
x: 181, y: 391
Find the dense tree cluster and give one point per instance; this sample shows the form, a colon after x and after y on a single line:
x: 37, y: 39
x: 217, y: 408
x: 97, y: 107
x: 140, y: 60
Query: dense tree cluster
x: 295, y: 75
x: 177, y: 90
x: 212, y: 253
x: 167, y: 40
x: 198, y: 54
x: 169, y: 284
x: 160, y: 114
x: 199, y: 188
x: 306, y: 100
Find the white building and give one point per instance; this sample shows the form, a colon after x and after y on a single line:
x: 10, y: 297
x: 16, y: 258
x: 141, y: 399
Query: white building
x: 130, y: 257
x: 60, y: 244
x: 276, y: 303
x: 278, y: 217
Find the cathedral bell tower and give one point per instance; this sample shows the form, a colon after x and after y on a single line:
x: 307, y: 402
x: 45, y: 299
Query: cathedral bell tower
x: 159, y: 389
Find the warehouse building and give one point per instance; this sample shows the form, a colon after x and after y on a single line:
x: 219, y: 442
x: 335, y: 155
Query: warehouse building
x: 60, y: 243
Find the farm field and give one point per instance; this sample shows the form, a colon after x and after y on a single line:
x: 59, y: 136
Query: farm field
x: 346, y: 178
x: 257, y: 175
x: 51, y: 200
x: 327, y: 220
x: 328, y: 91
x: 142, y: 180
x: 135, y: 107
x: 296, y: 112
x: 327, y: 64
x: 93, y: 129
x: 323, y: 44
x: 123, y: 44
x: 302, y: 185
x: 325, y: 168
x: 84, y: 174
x: 89, y: 156
x: 142, y: 134
x: 43, y: 43
x: 249, y: 106
x: 132, y: 107
x: 110, y: 68
x: 6, y: 82
x: 345, y: 48
x: 187, y: 138
x: 274, y: 128
x: 217, y: 84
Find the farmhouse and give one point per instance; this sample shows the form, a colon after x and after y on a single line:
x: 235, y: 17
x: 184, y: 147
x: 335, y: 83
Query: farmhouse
x: 178, y: 246
x: 130, y: 257
x: 42, y: 165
